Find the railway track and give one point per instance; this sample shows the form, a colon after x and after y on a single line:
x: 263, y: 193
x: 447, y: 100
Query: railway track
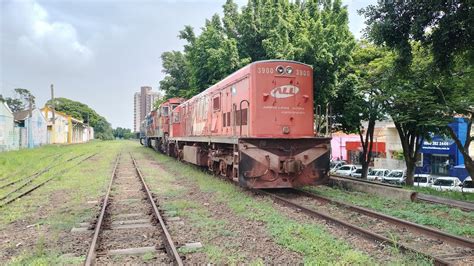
x: 129, y: 223
x: 24, y: 189
x: 32, y: 177
x: 440, y: 247
x: 421, y: 197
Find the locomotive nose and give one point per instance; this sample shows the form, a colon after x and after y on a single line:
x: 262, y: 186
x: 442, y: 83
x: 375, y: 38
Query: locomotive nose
x: 292, y: 166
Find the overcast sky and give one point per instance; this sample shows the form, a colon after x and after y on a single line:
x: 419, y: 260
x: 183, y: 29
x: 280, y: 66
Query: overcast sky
x: 99, y: 52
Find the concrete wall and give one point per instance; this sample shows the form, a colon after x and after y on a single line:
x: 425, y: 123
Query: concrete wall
x: 36, y: 129
x: 8, y: 133
x: 386, y: 163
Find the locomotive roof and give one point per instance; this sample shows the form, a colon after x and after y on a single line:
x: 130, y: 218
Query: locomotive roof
x: 280, y: 60
x: 246, y: 66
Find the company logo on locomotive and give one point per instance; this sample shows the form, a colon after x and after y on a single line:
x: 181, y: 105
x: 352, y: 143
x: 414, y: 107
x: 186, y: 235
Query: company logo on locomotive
x: 284, y: 91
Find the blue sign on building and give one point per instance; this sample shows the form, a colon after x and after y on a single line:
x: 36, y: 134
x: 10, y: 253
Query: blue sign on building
x: 441, y: 155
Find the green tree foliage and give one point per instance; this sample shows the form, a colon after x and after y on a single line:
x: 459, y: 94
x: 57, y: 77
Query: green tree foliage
x: 78, y: 110
x: 123, y: 133
x: 21, y: 100
x: 442, y: 77
x: 312, y: 32
x: 360, y: 95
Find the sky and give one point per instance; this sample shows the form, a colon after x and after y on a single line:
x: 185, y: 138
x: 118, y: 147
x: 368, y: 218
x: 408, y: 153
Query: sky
x: 100, y: 52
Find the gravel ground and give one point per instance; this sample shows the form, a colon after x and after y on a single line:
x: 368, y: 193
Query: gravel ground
x: 245, y: 239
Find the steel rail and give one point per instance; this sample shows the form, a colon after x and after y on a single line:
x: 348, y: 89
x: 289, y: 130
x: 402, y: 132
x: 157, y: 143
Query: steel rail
x: 91, y: 254
x: 463, y: 205
x: 365, y: 181
x: 40, y: 184
x: 406, y: 224
x: 169, y: 245
x: 354, y: 228
x: 37, y: 173
x: 33, y: 178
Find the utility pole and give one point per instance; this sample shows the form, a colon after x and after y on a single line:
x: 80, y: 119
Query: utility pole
x: 53, y: 120
x: 52, y: 101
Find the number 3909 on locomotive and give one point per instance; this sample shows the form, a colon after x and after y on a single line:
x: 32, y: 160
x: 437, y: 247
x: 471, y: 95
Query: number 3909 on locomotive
x: 255, y: 127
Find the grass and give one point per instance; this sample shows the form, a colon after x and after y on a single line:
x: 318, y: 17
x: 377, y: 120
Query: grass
x: 68, y: 193
x: 456, y: 195
x: 309, y: 239
x: 448, y: 219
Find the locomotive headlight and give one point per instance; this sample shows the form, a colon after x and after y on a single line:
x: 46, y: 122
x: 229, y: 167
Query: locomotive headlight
x: 289, y: 70
x: 280, y: 69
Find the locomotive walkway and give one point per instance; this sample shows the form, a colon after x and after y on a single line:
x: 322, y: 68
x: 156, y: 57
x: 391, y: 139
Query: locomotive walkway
x: 129, y: 223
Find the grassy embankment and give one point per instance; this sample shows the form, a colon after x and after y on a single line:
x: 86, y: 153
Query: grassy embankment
x: 58, y: 206
x: 312, y: 240
x: 448, y: 219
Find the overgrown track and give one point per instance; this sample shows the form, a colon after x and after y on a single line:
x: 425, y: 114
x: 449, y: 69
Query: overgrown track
x: 442, y: 248
x: 463, y: 205
x: 17, y: 193
x: 30, y: 178
x: 128, y: 197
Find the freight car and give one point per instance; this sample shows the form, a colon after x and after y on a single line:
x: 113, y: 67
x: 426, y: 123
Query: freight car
x: 255, y: 127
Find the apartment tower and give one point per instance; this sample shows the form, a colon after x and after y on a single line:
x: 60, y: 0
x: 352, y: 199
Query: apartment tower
x: 143, y: 104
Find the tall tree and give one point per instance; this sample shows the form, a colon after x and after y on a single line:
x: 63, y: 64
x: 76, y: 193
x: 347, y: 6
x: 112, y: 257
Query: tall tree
x: 359, y: 96
x: 78, y: 110
x: 446, y: 29
x: 22, y: 100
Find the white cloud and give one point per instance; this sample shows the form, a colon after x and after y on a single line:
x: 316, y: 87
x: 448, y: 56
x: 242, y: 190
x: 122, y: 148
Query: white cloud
x: 31, y: 34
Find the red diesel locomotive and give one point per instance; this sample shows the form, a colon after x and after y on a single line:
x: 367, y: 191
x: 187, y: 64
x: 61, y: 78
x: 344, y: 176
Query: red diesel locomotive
x: 256, y: 127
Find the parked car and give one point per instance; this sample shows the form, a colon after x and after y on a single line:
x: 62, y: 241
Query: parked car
x: 377, y: 174
x: 346, y: 169
x: 357, y: 173
x: 467, y: 185
x: 395, y: 177
x: 446, y: 183
x: 334, y: 165
x: 423, y: 180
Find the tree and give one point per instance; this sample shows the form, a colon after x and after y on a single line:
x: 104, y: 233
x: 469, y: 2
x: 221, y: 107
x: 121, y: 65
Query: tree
x: 78, y: 110
x: 308, y: 31
x: 21, y: 100
x: 123, y: 133
x: 446, y: 30
x: 359, y: 96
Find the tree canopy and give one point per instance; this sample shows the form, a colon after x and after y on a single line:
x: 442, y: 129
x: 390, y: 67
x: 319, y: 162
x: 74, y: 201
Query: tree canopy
x: 21, y: 100
x: 312, y: 32
x: 78, y: 110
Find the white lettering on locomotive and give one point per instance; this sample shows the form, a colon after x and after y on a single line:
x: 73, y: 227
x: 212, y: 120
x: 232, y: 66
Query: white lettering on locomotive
x: 284, y: 91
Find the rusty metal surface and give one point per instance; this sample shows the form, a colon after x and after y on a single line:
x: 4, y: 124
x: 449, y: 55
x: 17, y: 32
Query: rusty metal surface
x: 409, y: 225
x: 464, y: 205
x: 40, y: 184
x: 169, y: 244
x: 91, y: 254
x: 354, y: 228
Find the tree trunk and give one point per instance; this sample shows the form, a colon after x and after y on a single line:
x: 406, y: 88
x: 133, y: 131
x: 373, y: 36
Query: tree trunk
x: 411, y: 144
x: 464, y: 149
x: 367, y: 146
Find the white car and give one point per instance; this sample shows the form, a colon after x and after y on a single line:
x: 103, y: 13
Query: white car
x: 446, y: 183
x: 423, y: 180
x: 358, y: 172
x: 377, y: 174
x: 467, y: 185
x: 346, y: 170
x: 334, y: 165
x: 395, y: 177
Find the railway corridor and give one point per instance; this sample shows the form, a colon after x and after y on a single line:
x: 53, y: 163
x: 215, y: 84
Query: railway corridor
x: 128, y: 231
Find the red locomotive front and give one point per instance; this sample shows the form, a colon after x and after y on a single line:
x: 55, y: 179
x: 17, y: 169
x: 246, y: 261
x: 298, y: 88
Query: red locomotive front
x: 256, y: 127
